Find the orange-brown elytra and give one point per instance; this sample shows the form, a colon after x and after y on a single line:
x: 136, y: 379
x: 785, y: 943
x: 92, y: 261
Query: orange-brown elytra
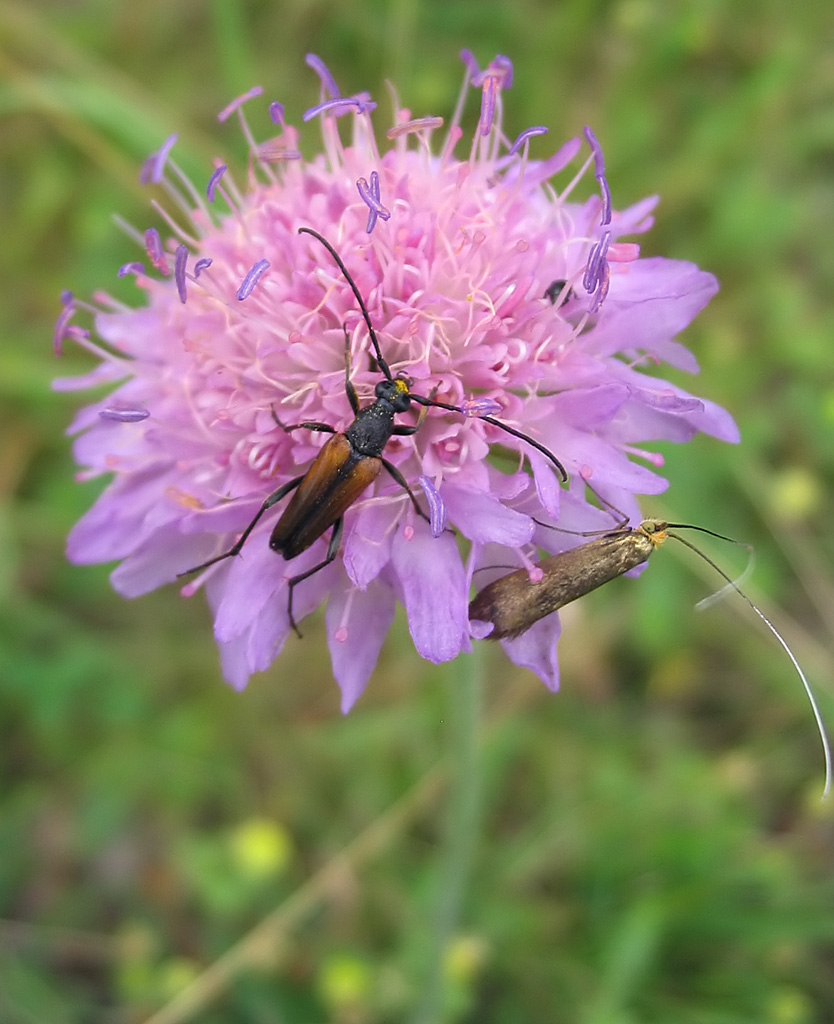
x: 348, y: 462
x: 346, y: 465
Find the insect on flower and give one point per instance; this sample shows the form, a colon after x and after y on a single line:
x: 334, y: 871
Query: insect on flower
x: 348, y: 463
x: 515, y: 602
x: 238, y: 327
x: 555, y: 290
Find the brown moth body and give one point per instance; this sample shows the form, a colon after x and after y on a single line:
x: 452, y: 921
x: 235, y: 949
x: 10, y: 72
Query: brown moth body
x: 513, y: 604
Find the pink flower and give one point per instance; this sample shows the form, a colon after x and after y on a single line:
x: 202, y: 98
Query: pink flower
x: 513, y: 300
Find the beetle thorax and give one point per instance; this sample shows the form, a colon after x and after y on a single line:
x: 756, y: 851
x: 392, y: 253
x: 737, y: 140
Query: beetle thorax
x: 394, y: 393
x: 370, y: 431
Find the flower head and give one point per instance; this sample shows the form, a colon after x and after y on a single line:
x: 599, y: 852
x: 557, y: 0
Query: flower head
x: 488, y: 289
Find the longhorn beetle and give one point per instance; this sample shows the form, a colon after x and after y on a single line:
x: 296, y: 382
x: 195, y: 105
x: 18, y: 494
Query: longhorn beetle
x: 348, y: 463
x: 513, y: 603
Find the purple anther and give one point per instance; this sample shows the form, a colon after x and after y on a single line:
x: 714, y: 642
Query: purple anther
x: 213, y: 182
x: 599, y: 173
x: 145, y: 170
x: 503, y: 66
x: 134, y: 267
x: 589, y: 276
x: 122, y: 414
x: 201, y: 265
x: 496, y: 76
x: 67, y: 297
x: 276, y: 113
x: 361, y: 103
x: 364, y: 103
x: 336, y: 106
x: 371, y: 197
x: 418, y: 124
x: 159, y: 159
x: 438, y: 516
x: 606, y: 200
x: 602, y: 285
x: 180, y: 261
x: 472, y: 68
x: 528, y: 133
x: 596, y: 150
x: 604, y: 242
x: 501, y: 69
x: 153, y: 247
x: 251, y: 279
x: 227, y: 111
x: 62, y: 324
x: 488, y: 94
x: 596, y: 261
x: 328, y: 82
x: 475, y: 407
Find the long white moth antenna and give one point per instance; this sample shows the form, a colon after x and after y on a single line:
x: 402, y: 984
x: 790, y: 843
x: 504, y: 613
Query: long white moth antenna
x: 826, y: 746
x: 735, y: 585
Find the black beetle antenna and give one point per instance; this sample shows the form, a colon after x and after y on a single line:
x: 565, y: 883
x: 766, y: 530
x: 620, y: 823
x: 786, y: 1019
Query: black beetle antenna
x: 419, y: 399
x: 340, y: 264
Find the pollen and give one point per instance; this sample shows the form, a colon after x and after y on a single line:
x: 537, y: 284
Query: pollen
x: 184, y: 500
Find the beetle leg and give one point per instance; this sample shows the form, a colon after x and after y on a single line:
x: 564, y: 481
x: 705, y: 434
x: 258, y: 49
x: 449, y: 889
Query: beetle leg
x: 306, y: 425
x: 332, y: 548
x: 397, y: 475
x: 323, y: 428
x: 273, y: 499
x: 405, y: 431
x: 350, y: 390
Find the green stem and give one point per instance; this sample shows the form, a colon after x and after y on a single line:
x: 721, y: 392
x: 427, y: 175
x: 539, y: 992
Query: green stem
x: 465, y: 681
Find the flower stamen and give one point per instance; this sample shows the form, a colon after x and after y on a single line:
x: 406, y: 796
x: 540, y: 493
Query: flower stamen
x: 438, y: 516
x: 154, y: 167
x: 153, y: 247
x: 415, y: 125
x: 253, y: 276
x: 361, y: 103
x: 134, y: 267
x: 237, y: 103
x: 180, y: 260
x: 498, y: 75
x: 599, y: 174
x: 371, y: 197
x: 214, y: 180
x: 122, y: 414
x: 62, y: 323
x: 180, y: 232
x: 328, y: 82
x: 524, y: 138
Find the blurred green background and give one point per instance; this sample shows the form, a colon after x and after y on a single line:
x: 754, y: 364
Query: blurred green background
x: 647, y: 846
